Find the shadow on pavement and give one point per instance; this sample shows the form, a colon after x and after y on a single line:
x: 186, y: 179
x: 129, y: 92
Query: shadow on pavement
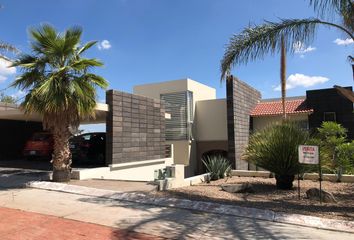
x: 173, y: 223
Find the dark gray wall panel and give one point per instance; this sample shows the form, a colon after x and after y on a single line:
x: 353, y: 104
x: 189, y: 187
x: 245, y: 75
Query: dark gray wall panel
x: 135, y: 128
x: 241, y: 99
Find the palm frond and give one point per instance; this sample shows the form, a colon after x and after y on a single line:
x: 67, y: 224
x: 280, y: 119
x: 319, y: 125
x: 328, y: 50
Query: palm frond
x: 255, y: 42
x: 86, y: 46
x: 85, y: 63
x: 329, y: 8
x: 8, y: 47
x: 97, y: 80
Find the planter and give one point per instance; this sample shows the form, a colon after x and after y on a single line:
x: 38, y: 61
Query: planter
x: 61, y: 175
x: 284, y: 182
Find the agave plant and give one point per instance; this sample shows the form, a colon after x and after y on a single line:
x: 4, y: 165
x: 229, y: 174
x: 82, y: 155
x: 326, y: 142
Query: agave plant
x: 275, y: 149
x: 217, y: 165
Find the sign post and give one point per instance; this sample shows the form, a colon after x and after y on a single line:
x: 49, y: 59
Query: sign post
x: 309, y: 154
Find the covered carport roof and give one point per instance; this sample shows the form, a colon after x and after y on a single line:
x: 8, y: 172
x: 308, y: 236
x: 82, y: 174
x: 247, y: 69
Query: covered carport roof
x: 13, y: 112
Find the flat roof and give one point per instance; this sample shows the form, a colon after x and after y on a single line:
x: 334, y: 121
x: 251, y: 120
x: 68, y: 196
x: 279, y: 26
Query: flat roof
x: 13, y: 112
x: 171, y: 81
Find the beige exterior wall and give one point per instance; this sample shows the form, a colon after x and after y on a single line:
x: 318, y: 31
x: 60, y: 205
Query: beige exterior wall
x: 181, y: 151
x: 260, y: 123
x: 210, y: 120
x: 154, y: 90
x: 184, y: 151
x: 134, y: 171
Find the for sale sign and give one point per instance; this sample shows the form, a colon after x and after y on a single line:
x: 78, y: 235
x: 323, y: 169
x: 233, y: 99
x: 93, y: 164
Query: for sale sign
x: 308, y: 154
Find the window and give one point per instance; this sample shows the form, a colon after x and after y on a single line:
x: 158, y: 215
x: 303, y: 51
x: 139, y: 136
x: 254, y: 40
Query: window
x: 329, y: 117
x: 180, y: 106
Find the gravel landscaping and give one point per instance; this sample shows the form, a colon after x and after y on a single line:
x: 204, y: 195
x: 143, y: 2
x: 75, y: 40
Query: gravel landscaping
x: 266, y: 196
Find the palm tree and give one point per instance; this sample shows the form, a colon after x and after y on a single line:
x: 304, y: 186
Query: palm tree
x: 256, y: 41
x: 60, y: 87
x: 283, y: 76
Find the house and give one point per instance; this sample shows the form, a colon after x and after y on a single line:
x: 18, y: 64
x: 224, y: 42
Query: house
x: 201, y: 124
x: 177, y: 122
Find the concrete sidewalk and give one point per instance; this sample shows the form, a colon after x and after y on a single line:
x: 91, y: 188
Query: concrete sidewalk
x: 14, y: 225
x: 203, y: 206
x: 165, y: 222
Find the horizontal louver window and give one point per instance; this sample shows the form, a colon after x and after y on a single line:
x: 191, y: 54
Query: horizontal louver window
x: 177, y: 104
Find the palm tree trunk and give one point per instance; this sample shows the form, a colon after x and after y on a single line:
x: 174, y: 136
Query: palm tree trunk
x: 283, y: 76
x: 61, y: 154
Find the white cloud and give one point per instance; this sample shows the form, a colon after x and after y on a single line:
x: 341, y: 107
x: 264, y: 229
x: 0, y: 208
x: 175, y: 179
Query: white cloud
x: 300, y: 48
x: 301, y: 80
x: 5, y: 70
x: 105, y: 44
x: 344, y: 42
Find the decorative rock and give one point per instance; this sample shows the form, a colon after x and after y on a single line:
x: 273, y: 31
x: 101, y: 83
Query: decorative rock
x: 314, y: 194
x: 238, y: 188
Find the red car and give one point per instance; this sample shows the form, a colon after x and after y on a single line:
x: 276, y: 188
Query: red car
x: 39, y: 146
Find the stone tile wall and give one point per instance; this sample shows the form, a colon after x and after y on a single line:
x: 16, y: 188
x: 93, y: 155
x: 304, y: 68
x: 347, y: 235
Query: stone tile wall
x: 241, y: 99
x: 135, y: 128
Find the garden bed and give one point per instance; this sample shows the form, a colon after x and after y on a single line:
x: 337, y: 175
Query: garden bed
x: 266, y: 196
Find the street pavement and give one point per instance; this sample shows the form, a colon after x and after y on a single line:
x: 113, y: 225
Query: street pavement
x: 20, y: 225
x: 166, y: 222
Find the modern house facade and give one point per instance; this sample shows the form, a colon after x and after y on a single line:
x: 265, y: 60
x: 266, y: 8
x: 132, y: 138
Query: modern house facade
x: 212, y: 125
x: 177, y: 122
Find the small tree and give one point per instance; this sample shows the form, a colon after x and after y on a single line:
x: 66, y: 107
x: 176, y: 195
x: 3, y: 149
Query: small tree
x: 331, y: 138
x: 345, y: 157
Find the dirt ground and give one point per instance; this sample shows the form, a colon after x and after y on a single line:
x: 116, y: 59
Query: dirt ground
x: 266, y: 196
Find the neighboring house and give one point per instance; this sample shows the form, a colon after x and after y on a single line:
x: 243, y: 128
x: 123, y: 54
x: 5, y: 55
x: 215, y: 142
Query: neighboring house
x: 269, y: 111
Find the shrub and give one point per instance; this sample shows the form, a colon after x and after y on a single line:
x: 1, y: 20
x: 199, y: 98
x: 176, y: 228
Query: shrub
x: 217, y: 165
x: 345, y: 157
x: 336, y: 155
x: 275, y: 149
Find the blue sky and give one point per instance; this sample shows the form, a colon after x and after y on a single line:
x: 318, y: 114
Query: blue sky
x: 158, y: 40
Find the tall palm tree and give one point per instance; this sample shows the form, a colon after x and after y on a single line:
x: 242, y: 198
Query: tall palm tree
x: 60, y: 86
x: 256, y: 41
x: 283, y: 76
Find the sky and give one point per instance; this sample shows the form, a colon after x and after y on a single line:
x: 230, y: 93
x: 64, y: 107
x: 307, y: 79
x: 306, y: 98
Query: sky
x: 145, y: 41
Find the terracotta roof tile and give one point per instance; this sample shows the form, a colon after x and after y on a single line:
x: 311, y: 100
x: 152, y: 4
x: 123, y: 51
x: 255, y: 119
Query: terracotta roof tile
x: 275, y: 108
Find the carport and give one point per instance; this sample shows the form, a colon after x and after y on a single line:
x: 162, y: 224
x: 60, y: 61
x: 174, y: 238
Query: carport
x: 135, y: 138
x: 17, y: 127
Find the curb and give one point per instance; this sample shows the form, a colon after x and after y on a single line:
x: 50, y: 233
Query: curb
x: 210, y: 207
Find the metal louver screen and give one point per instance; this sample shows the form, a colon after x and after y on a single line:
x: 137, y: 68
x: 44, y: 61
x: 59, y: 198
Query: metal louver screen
x: 179, y: 105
